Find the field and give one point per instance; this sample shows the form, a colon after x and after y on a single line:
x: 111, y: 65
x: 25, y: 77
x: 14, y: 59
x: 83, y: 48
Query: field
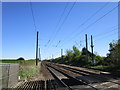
x: 10, y: 61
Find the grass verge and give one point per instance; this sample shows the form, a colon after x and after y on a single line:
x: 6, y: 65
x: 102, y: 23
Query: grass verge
x: 27, y: 68
x: 106, y: 68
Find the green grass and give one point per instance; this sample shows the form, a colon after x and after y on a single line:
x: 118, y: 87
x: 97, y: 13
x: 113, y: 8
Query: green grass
x: 106, y: 68
x: 99, y: 67
x: 9, y: 61
x: 27, y: 68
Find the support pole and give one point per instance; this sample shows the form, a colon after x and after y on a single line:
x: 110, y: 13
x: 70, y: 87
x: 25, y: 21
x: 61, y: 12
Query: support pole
x: 92, y: 49
x: 119, y: 20
x: 37, y: 50
x: 86, y: 48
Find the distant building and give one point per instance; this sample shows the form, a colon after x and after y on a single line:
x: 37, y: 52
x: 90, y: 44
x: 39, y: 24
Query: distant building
x: 119, y: 20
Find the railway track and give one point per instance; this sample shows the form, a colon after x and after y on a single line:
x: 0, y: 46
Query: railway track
x: 75, y: 81
x: 65, y: 77
x: 96, y: 74
x: 96, y: 79
x: 48, y: 82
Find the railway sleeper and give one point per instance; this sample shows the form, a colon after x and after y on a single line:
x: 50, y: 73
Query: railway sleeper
x: 92, y: 77
x: 80, y: 82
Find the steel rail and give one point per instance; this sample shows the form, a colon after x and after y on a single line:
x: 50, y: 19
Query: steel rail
x: 62, y: 82
x: 83, y: 73
x: 72, y: 77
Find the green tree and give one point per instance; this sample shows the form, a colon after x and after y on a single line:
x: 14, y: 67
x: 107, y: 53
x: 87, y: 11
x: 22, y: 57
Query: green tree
x: 69, y: 55
x: 76, y: 55
x: 114, y: 54
x: 76, y: 51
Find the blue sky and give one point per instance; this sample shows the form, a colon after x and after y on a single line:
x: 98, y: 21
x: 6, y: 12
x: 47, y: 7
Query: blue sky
x: 19, y: 34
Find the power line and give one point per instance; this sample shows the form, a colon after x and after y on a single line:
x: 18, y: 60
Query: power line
x: 62, y: 15
x: 58, y: 43
x: 63, y: 21
x: 36, y: 31
x: 94, y: 14
x: 77, y: 44
x: 89, y: 18
x: 60, y: 19
x: 107, y: 36
x: 33, y: 15
x: 101, y: 34
x: 47, y: 43
x: 66, y: 17
x: 97, y: 35
x: 104, y: 33
x: 96, y: 21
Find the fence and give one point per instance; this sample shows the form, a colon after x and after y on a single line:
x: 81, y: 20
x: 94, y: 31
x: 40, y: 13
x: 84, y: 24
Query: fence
x: 9, y: 75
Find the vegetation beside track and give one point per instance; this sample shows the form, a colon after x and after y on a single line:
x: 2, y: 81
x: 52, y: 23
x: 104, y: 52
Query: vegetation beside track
x: 78, y: 58
x: 27, y: 68
x: 11, y: 61
x: 105, y: 68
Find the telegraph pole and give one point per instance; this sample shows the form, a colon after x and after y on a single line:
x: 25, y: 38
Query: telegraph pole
x: 86, y: 48
x: 37, y: 50
x: 92, y: 48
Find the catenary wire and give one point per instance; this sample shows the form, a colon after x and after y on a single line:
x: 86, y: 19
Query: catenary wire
x: 59, y: 21
x: 101, y: 34
x: 63, y: 22
x: 95, y: 21
x: 33, y: 16
x: 89, y: 18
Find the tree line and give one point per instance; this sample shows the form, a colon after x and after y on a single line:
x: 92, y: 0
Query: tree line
x: 78, y: 58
